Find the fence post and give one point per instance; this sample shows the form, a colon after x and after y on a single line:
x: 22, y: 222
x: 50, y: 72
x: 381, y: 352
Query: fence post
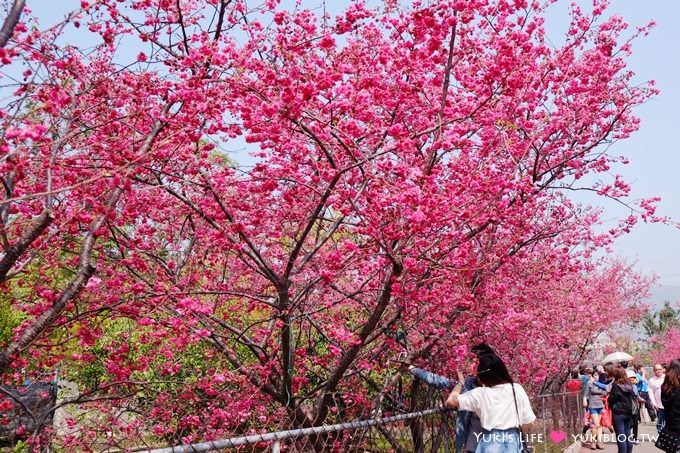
x: 579, y: 414
x: 276, y: 447
x: 565, y: 413
x: 545, y: 433
x: 447, y: 435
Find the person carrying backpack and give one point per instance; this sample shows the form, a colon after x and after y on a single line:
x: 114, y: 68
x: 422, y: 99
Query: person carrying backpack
x: 620, y: 400
x: 643, y: 391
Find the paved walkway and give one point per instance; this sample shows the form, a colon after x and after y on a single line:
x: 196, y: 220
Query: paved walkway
x: 646, y: 436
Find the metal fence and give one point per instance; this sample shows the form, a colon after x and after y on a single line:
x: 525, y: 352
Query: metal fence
x: 413, y: 420
x: 559, y: 421
x: 423, y: 431
x: 25, y: 407
x: 405, y: 419
x: 558, y: 424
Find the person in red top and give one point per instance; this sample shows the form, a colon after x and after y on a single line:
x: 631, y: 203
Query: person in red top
x: 574, y: 384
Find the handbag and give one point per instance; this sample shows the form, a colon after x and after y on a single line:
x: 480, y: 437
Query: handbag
x: 606, y: 420
x: 667, y: 441
x: 523, y: 448
x: 587, y: 420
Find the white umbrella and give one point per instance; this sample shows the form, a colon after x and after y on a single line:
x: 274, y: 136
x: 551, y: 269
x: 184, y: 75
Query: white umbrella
x: 618, y: 357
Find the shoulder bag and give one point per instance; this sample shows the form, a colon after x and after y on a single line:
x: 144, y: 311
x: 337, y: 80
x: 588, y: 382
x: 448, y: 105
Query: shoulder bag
x: 523, y: 448
x: 667, y: 441
x: 606, y: 420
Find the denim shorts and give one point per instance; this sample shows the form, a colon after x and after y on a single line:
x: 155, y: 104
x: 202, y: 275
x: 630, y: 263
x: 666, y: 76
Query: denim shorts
x: 597, y: 411
x: 499, y: 441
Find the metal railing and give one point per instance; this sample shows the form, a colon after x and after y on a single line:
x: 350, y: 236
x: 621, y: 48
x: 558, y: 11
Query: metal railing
x: 411, y: 421
x: 559, y: 422
x: 405, y: 419
x: 25, y: 407
x: 398, y: 433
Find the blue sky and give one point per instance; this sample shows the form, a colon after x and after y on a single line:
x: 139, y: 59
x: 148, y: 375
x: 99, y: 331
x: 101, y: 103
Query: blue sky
x: 652, y: 151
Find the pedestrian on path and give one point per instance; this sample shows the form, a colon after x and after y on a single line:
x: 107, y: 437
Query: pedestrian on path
x: 620, y: 398
x: 503, y: 406
x: 670, y: 397
x: 602, y: 371
x: 583, y: 375
x: 574, y: 384
x: 647, y: 410
x: 637, y: 405
x: 592, y: 400
x: 655, y: 383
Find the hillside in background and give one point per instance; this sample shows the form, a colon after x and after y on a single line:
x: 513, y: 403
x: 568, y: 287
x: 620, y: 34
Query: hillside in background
x: 662, y: 293
x: 659, y: 294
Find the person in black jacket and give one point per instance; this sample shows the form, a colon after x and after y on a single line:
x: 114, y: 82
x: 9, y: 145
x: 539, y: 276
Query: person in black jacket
x: 670, y: 397
x: 621, y: 404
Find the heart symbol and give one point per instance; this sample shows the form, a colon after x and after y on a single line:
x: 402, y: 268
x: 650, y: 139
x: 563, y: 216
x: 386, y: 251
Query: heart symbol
x: 558, y: 436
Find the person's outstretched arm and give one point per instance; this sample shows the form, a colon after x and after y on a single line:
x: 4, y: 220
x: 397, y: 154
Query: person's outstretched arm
x: 605, y: 387
x: 432, y: 379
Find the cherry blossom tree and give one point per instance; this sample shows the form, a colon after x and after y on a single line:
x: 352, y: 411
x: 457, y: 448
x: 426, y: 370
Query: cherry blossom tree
x: 410, y: 193
x: 667, y: 345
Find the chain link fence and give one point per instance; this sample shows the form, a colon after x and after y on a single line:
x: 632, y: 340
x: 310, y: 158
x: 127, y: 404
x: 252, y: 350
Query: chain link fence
x: 432, y: 430
x: 25, y: 408
x: 404, y: 419
x: 559, y: 421
x: 558, y: 424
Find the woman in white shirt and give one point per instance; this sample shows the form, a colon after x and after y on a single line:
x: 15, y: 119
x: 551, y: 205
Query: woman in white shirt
x: 503, y: 406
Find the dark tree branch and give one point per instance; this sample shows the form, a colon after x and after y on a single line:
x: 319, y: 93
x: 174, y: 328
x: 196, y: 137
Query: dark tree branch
x: 15, y: 252
x: 322, y: 405
x: 11, y: 21
x: 84, y: 272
